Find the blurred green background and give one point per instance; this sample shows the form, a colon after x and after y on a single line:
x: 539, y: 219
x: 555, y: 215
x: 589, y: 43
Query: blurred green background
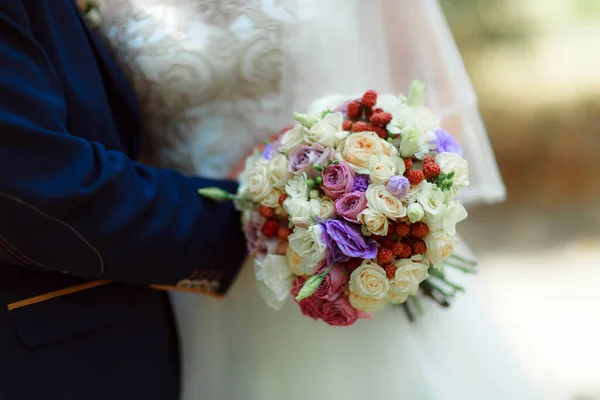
x: 535, y: 65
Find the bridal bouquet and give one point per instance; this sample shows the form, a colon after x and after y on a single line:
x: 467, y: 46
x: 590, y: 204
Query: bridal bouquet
x: 353, y: 208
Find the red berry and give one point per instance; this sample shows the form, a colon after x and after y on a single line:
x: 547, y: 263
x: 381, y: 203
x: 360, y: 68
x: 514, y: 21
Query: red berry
x: 381, y: 119
x: 415, y: 176
x: 431, y: 170
x: 380, y: 131
x: 270, y: 228
x: 354, y: 110
x: 390, y: 270
x: 384, y: 256
x: 377, y: 110
x: 282, y: 198
x: 283, y: 233
x: 360, y: 126
x: 386, y: 243
x: 402, y: 250
x: 428, y: 159
x: 408, y: 164
x: 418, y: 247
x: 369, y: 99
x: 419, y: 229
x: 347, y: 125
x: 266, y: 212
x: 402, y: 229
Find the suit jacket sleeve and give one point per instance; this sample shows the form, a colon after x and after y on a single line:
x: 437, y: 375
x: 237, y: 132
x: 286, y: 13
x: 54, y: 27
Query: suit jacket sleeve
x: 72, y: 206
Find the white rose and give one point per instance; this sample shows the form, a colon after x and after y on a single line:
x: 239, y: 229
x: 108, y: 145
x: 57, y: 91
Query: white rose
x: 297, y: 187
x: 382, y: 168
x: 366, y: 304
x: 369, y: 281
x: 381, y: 200
x: 292, y: 138
x: 417, y: 129
x: 327, y: 132
x: 298, y: 208
x: 259, y: 185
x: 375, y: 222
x: 433, y: 202
x: 455, y: 213
x: 406, y: 280
x: 440, y: 247
x: 450, y: 162
x: 308, y: 245
x: 326, y: 208
x: 274, y: 279
x: 358, y: 147
x: 278, y: 169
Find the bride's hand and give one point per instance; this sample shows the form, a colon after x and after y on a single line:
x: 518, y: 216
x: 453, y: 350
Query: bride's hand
x: 239, y: 166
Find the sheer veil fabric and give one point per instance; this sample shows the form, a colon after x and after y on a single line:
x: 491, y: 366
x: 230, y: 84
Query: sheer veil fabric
x: 215, y: 77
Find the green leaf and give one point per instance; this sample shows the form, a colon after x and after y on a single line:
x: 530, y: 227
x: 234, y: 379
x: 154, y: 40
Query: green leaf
x: 311, y: 284
x: 324, y: 113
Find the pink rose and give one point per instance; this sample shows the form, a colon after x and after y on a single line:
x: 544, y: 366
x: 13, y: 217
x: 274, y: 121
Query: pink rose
x: 311, y: 306
x: 340, y: 313
x: 337, y: 180
x: 331, y: 286
x: 350, y: 205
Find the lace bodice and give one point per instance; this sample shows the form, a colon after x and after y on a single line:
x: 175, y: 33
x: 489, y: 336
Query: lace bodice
x: 207, y: 74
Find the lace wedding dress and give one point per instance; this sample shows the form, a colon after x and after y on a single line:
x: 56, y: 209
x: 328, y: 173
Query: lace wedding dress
x: 214, y: 78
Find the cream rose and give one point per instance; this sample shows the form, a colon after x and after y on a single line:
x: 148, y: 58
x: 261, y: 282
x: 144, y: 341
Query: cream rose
x: 369, y: 281
x: 366, y: 304
x: 382, y: 168
x: 297, y: 187
x: 326, y: 208
x: 379, y: 199
x: 450, y: 162
x: 308, y: 245
x: 375, y: 222
x: 294, y: 261
x: 440, y: 247
x: 274, y: 279
x: 433, y: 202
x: 358, y: 147
x: 278, y: 169
x: 258, y: 184
x: 409, y: 276
x: 292, y: 138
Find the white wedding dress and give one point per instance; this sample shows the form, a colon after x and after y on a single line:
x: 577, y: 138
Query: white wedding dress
x: 214, y: 78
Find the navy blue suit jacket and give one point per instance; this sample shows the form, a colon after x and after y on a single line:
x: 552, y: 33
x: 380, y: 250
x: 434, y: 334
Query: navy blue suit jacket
x: 84, y: 229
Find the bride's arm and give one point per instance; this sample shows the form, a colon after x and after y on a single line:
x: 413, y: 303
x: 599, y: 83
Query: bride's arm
x: 73, y: 206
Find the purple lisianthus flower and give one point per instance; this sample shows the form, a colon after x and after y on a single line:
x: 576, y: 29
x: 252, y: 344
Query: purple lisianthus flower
x: 398, y: 186
x: 350, y: 205
x: 338, y: 179
x: 345, y: 241
x: 361, y: 183
x: 304, y: 157
x: 446, y: 143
